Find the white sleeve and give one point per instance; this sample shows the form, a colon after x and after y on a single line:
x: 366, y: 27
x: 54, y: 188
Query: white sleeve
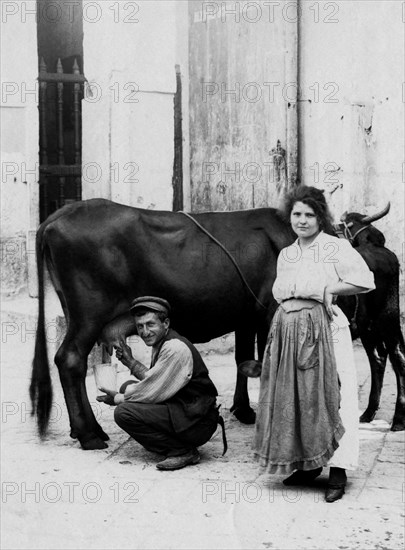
x: 351, y: 268
x: 172, y: 371
x: 282, y: 287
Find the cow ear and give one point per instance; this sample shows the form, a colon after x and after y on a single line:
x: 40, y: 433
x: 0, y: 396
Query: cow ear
x: 250, y: 368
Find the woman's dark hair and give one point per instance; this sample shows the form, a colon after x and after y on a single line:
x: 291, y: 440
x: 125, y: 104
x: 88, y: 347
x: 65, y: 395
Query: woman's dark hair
x: 315, y: 198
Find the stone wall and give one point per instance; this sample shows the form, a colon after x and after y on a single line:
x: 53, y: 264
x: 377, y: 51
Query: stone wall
x: 351, y: 115
x: 19, y: 143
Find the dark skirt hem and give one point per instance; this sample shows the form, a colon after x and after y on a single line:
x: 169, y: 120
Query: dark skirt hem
x: 301, y: 464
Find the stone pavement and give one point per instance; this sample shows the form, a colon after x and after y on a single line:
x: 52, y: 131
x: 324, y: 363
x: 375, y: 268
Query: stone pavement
x: 54, y: 495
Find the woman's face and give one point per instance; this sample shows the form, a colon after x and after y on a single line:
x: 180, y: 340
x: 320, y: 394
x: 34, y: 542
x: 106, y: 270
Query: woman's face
x: 304, y: 221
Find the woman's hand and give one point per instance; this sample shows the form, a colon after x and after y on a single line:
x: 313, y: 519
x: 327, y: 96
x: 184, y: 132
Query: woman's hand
x: 328, y: 303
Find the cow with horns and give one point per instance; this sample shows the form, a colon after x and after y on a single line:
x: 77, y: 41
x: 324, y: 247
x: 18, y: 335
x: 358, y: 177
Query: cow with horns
x: 375, y: 316
x: 101, y: 255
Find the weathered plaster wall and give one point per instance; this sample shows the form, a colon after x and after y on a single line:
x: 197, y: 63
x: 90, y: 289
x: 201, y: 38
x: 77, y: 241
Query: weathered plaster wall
x: 19, y: 144
x: 351, y: 110
x: 128, y: 124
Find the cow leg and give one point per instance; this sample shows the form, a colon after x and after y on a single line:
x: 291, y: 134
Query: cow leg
x: 262, y: 335
x: 396, y: 351
x: 244, y: 350
x: 377, y: 357
x: 71, y: 360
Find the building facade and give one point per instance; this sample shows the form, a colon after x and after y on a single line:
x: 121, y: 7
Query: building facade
x: 205, y: 106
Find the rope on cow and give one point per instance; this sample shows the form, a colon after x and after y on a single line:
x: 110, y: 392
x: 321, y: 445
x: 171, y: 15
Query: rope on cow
x: 227, y: 253
x: 353, y: 320
x: 348, y: 234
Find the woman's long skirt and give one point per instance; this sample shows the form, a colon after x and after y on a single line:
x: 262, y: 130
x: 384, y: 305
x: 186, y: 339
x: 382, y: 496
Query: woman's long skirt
x: 298, y: 424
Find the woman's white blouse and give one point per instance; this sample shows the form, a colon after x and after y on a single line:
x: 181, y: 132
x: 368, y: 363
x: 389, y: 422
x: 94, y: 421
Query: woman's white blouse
x: 306, y: 273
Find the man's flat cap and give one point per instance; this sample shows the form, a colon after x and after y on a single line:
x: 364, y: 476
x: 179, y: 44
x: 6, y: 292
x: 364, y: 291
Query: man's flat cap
x: 150, y: 302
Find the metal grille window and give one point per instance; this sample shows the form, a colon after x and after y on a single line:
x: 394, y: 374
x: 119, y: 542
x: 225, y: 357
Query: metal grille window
x: 60, y: 169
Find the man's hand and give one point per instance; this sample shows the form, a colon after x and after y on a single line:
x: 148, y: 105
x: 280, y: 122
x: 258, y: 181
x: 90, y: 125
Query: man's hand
x: 124, y: 354
x: 107, y: 399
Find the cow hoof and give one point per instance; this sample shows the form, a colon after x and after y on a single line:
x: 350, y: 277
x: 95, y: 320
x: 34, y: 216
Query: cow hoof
x: 246, y: 416
x: 93, y: 444
x: 101, y: 433
x: 367, y: 417
x: 398, y: 425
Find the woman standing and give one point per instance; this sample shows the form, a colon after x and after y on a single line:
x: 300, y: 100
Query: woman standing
x: 307, y: 416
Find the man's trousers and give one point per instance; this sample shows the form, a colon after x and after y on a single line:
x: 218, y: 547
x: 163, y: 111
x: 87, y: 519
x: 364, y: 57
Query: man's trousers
x: 150, y: 425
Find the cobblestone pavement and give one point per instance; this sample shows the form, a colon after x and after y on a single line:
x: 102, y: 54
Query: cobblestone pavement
x: 54, y: 495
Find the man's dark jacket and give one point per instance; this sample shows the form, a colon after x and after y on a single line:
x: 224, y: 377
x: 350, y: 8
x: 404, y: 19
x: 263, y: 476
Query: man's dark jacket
x: 198, y: 397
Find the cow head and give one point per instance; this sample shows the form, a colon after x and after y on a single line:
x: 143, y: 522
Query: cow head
x: 357, y: 228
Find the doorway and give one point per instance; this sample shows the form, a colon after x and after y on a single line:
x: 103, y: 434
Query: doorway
x: 61, y: 85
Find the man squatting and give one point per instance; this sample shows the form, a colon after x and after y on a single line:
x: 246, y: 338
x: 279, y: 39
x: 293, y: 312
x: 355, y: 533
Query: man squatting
x: 171, y: 408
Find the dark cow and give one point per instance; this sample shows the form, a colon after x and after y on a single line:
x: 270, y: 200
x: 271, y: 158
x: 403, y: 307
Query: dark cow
x: 101, y: 255
x: 375, y: 316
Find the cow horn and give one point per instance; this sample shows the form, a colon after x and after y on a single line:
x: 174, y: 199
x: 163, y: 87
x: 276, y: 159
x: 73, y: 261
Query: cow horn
x: 343, y: 216
x: 378, y: 216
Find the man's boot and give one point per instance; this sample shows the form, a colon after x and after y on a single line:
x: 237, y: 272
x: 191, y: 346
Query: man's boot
x: 177, y: 462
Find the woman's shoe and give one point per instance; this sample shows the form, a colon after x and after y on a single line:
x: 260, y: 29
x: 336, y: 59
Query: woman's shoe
x: 303, y: 477
x: 334, y: 492
x: 336, y: 484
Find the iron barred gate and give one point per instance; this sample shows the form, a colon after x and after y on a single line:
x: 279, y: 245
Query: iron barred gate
x: 60, y: 150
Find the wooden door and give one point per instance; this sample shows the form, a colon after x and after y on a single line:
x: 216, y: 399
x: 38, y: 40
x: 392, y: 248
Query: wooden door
x: 243, y: 89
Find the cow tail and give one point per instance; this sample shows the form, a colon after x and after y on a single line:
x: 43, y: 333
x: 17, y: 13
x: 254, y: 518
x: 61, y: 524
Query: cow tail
x: 41, y: 386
